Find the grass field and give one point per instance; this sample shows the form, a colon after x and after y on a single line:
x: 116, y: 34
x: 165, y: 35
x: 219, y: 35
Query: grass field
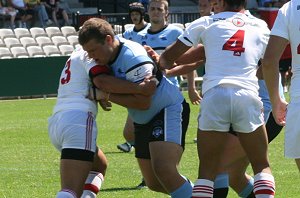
x: 29, y: 164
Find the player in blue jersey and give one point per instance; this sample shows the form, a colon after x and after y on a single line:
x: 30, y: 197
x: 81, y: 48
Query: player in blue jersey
x: 160, y: 119
x: 137, y: 13
x: 137, y: 16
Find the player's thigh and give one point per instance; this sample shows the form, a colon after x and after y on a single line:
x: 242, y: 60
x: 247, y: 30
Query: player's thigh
x: 292, y: 130
x: 233, y: 152
x: 257, y: 154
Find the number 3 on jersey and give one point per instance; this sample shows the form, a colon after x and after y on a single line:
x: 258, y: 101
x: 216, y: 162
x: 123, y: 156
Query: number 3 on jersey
x: 235, y: 43
x: 67, y: 71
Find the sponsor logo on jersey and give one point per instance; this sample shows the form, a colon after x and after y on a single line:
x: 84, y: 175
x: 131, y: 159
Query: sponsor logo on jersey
x: 238, y: 22
x: 157, y: 131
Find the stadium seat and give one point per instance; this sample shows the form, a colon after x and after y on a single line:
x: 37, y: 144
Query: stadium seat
x: 43, y: 40
x: 7, y: 33
x: 22, y: 32
x: 37, y: 32
x: 68, y: 31
x: 5, y: 53
x: 128, y: 26
x: 35, y: 51
x: 59, y: 40
x: 28, y: 41
x: 19, y: 52
x: 118, y: 29
x: 53, y: 31
x: 2, y: 44
x: 73, y: 40
x: 66, y: 50
x: 12, y: 42
x: 51, y: 50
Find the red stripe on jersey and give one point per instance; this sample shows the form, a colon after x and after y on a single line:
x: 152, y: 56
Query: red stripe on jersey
x: 99, y: 69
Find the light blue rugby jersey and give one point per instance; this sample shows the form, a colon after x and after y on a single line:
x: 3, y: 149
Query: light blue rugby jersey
x: 131, y: 34
x: 132, y: 64
x: 160, y: 40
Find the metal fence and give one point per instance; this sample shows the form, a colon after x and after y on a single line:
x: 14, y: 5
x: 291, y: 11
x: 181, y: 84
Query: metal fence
x: 118, y: 20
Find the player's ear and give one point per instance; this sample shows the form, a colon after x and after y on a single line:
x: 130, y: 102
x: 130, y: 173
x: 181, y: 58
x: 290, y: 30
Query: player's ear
x: 109, y: 39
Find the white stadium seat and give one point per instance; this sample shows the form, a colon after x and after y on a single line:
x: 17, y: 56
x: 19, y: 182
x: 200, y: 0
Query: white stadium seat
x: 35, y: 51
x: 19, y: 52
x: 22, y: 32
x: 12, y: 42
x: 68, y: 31
x: 28, y: 41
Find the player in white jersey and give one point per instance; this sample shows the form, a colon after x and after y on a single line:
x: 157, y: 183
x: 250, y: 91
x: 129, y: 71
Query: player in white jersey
x: 284, y: 31
x: 73, y: 130
x: 230, y: 85
x: 160, y: 119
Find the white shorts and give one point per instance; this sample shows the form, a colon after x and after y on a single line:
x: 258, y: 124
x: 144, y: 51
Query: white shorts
x: 225, y: 106
x: 73, y: 129
x: 292, y: 130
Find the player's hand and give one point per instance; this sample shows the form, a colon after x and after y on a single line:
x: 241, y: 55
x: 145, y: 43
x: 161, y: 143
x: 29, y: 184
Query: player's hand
x: 279, y: 111
x: 106, y: 105
x: 152, y: 53
x: 194, y: 96
x: 148, y: 86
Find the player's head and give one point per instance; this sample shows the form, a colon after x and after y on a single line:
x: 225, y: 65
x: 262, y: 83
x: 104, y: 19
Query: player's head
x: 204, y: 7
x: 136, y: 12
x: 235, y: 4
x: 158, y: 11
x: 97, y: 38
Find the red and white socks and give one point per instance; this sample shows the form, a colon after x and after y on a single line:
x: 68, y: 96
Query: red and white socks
x: 264, y: 185
x: 92, y: 185
x: 203, y: 188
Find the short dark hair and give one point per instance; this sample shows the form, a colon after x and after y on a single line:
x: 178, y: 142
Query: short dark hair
x: 95, y: 28
x: 236, y: 3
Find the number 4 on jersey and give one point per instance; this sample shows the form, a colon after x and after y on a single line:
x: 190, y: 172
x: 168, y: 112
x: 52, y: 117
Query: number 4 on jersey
x: 235, y: 43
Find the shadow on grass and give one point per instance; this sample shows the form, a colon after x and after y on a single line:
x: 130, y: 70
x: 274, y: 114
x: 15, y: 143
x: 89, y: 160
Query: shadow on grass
x: 121, y: 189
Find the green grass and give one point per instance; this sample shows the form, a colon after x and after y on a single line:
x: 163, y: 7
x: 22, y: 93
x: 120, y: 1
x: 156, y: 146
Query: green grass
x: 29, y: 164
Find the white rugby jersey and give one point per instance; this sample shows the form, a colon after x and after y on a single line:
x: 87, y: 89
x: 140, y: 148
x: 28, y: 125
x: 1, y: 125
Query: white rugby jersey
x: 287, y: 25
x: 234, y: 42
x: 74, y: 84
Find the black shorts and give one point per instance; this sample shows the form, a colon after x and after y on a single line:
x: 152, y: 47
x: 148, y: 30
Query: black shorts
x: 284, y: 64
x: 155, y: 130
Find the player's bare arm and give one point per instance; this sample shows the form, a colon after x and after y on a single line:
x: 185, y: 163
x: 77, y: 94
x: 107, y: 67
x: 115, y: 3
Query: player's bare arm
x: 271, y: 75
x: 112, y: 84
x: 172, y: 52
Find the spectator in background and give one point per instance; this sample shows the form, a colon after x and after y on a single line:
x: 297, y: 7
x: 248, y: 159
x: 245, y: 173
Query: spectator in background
x: 40, y: 9
x: 56, y: 12
x: 8, y: 10
x: 24, y: 13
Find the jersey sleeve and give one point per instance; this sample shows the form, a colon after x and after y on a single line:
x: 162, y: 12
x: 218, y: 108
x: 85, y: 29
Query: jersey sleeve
x: 280, y: 27
x: 139, y: 70
x: 192, y: 34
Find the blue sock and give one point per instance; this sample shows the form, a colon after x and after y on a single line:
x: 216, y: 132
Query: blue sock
x: 221, y: 185
x: 221, y: 181
x: 248, y: 189
x: 185, y: 190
